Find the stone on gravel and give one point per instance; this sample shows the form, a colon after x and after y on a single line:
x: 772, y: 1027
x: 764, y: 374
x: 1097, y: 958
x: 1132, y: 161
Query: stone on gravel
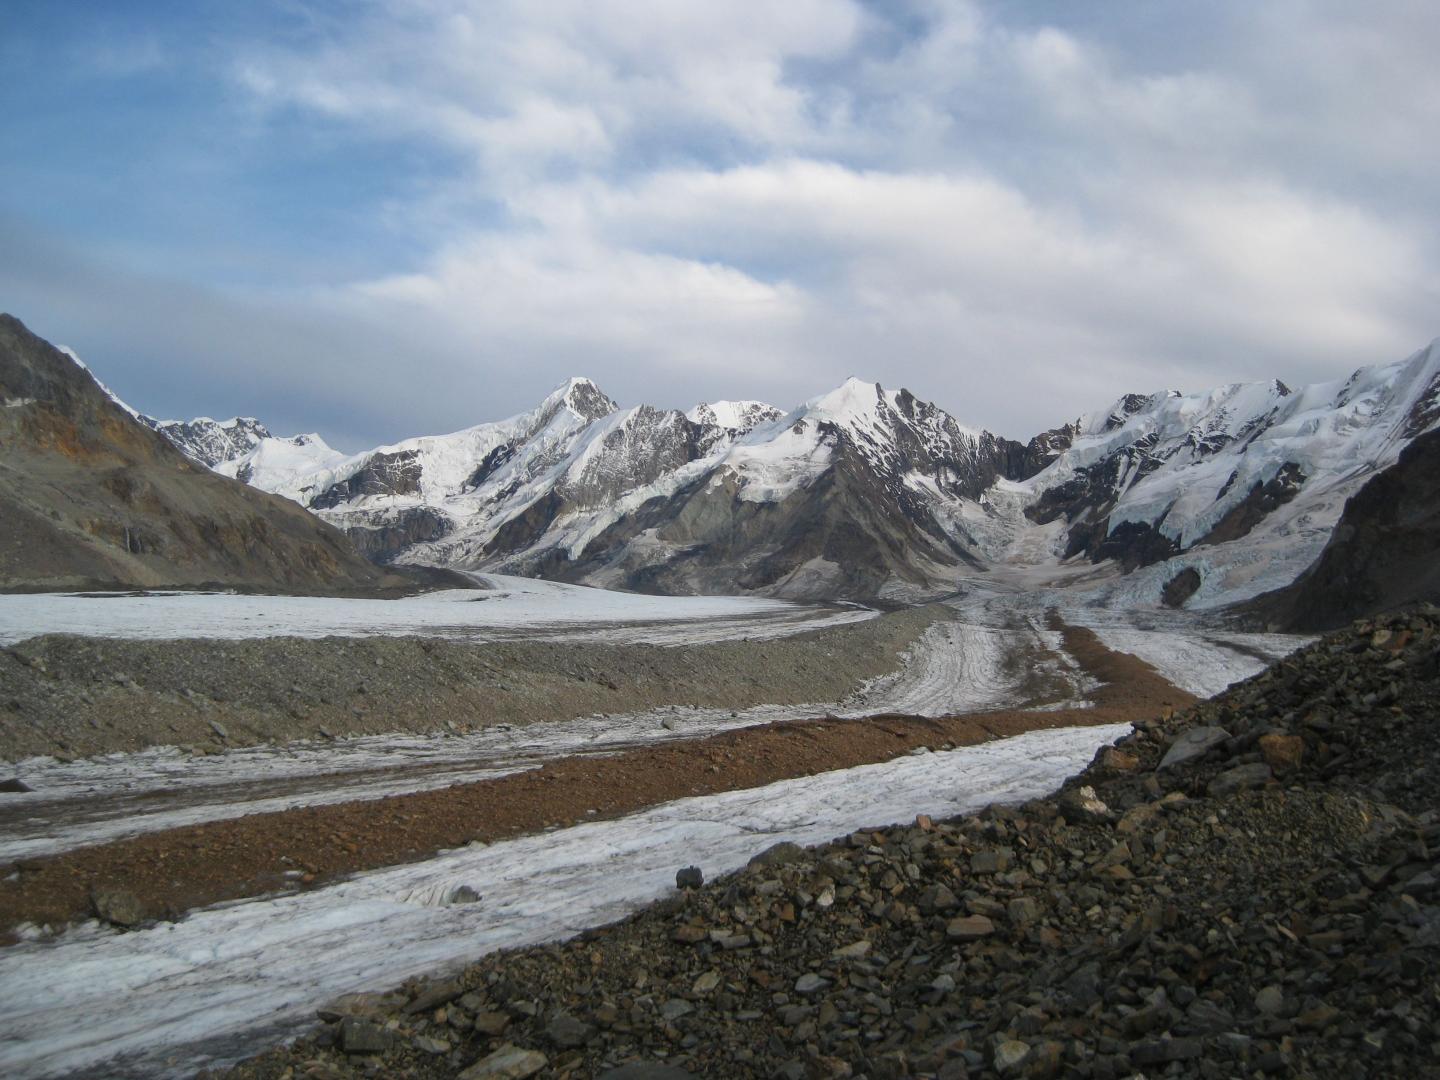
x: 1240, y: 778
x: 434, y: 994
x: 990, y: 862
x: 779, y: 855
x: 567, y: 1032
x: 646, y: 1070
x: 363, y: 1036
x: 507, y: 1063
x: 428, y: 1045
x: 358, y: 1004
x: 675, y: 1008
x: 118, y: 907
x: 1192, y: 744
x: 1282, y: 752
x: 689, y: 877
x: 491, y: 1023
x: 1164, y: 1051
x: 1270, y: 1000
x: 1081, y: 806
x: 1023, y: 910
x: 969, y: 928
x: 810, y: 984
x: 1111, y: 757
x: 1010, y: 1057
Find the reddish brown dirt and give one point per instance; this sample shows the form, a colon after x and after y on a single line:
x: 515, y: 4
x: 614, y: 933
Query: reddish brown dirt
x: 173, y: 871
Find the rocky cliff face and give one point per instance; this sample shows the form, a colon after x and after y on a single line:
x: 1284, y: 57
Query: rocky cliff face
x: 211, y: 441
x: 89, y: 496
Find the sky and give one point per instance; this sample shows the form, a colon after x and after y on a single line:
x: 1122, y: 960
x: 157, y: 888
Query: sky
x: 384, y: 219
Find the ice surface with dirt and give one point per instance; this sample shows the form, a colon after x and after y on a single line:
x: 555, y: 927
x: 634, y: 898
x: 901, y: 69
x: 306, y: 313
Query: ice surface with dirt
x: 954, y: 667
x: 1201, y: 664
x: 170, y: 999
x: 996, y: 654
x: 507, y: 608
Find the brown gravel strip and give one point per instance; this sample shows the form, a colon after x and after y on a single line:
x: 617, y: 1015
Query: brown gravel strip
x: 172, y: 871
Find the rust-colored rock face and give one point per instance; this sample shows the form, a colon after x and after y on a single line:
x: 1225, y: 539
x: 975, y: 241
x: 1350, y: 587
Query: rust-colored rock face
x: 90, y: 497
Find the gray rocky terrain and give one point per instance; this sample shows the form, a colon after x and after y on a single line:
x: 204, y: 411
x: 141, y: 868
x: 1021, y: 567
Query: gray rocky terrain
x: 1246, y: 888
x: 79, y: 696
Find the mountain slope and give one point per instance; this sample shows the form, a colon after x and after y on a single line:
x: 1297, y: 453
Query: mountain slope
x: 90, y: 496
x: 1381, y: 555
x: 1242, y: 484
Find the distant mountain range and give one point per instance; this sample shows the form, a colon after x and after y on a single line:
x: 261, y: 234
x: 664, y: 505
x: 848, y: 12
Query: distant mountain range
x: 863, y: 492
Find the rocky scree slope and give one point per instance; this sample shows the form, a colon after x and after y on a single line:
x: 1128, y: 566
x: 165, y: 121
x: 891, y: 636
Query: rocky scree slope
x: 70, y: 696
x: 1384, y: 552
x: 91, y: 497
x: 1247, y: 888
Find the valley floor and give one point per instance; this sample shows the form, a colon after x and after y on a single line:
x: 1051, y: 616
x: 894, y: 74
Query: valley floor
x: 301, y: 871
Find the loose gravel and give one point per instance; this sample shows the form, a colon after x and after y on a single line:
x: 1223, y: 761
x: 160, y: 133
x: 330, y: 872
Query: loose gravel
x: 72, y: 697
x: 1248, y: 887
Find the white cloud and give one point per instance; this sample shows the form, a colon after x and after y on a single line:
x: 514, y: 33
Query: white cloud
x: 1020, y: 220
x: 960, y: 286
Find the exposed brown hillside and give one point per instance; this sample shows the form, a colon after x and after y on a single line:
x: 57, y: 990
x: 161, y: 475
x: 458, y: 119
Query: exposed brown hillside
x: 90, y: 497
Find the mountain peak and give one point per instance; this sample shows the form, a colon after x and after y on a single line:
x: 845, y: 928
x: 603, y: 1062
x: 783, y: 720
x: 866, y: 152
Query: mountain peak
x: 583, y: 398
x: 739, y: 416
x: 853, y: 397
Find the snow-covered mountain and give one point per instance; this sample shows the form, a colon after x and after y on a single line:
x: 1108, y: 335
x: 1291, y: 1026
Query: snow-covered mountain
x: 739, y: 415
x: 1258, y: 470
x: 210, y: 442
x: 852, y: 492
x: 866, y: 492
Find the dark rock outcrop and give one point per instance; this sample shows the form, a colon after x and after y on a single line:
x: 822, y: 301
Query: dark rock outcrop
x: 394, y: 533
x: 383, y: 474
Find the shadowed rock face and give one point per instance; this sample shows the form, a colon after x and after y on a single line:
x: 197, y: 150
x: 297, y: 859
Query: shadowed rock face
x: 1384, y: 553
x: 89, y: 496
x: 209, y: 441
x: 383, y: 474
x: 393, y: 533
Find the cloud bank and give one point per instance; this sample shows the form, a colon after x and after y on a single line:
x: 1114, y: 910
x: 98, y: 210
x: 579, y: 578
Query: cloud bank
x: 1016, y: 217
